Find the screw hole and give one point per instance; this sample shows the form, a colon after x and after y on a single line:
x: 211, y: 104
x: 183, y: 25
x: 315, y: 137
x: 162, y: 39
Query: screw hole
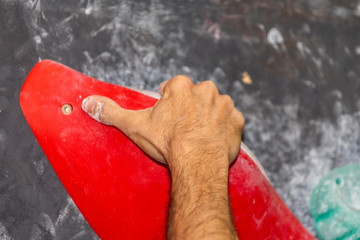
x: 66, y: 109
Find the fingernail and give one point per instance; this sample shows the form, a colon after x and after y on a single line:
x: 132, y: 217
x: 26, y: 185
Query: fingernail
x: 88, y: 105
x: 92, y: 107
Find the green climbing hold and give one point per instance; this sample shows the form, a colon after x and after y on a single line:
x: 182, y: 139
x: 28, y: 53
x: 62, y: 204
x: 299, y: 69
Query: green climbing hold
x: 335, y: 204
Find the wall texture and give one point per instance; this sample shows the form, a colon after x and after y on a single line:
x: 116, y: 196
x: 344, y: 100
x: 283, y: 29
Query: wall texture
x: 302, y: 107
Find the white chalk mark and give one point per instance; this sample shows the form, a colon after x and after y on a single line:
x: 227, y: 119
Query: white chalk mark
x: 48, y: 224
x: 357, y: 10
x: 303, y: 49
x: 4, y: 235
x: 64, y: 212
x: 275, y: 38
x: 79, y: 235
x: 357, y: 50
x: 39, y: 167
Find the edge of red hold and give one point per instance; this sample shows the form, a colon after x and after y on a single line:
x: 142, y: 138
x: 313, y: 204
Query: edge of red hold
x: 122, y: 193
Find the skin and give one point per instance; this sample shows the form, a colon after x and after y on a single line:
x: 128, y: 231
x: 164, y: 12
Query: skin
x: 197, y: 133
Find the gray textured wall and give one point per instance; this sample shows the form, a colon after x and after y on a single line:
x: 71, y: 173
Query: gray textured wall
x: 302, y: 109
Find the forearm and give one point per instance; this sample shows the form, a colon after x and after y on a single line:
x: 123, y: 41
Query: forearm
x: 199, y: 207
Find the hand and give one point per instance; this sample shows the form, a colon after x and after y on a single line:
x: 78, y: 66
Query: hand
x: 197, y: 132
x: 187, y: 120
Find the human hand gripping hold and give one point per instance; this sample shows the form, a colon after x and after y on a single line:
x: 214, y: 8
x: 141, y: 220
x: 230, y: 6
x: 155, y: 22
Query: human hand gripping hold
x: 197, y: 133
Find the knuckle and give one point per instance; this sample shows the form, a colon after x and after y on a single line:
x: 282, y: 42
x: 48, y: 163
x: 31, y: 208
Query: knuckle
x: 181, y: 77
x: 226, y: 99
x: 103, y: 111
x: 181, y: 81
x: 101, y: 115
x: 209, y: 88
x: 209, y: 85
x: 240, y: 119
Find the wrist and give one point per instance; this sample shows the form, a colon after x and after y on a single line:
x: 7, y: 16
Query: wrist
x: 200, y: 200
x: 209, y: 176
x: 196, y: 157
x: 204, y: 168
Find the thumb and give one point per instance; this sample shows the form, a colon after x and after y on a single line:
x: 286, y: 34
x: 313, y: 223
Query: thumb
x: 133, y: 124
x: 107, y: 111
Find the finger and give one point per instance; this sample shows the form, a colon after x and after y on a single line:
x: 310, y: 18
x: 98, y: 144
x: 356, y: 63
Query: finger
x: 240, y: 120
x: 131, y: 123
x: 207, y: 88
x: 162, y: 87
x: 108, y: 112
x: 177, y: 84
